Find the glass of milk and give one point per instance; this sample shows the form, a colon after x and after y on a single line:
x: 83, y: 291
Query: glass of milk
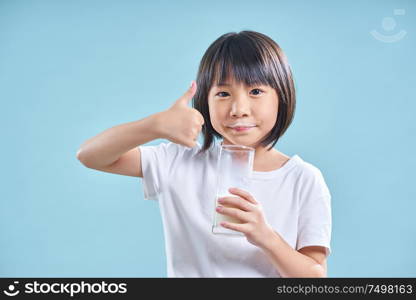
x: 234, y: 169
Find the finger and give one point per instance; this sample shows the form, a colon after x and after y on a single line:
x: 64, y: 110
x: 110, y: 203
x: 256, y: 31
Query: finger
x: 201, y: 119
x: 234, y: 212
x: 192, y: 140
x: 195, y: 131
x: 188, y: 94
x: 190, y: 145
x: 243, y: 194
x: 234, y: 226
x: 236, y: 201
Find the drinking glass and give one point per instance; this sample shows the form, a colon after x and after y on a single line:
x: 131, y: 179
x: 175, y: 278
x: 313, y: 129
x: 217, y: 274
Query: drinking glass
x: 234, y: 169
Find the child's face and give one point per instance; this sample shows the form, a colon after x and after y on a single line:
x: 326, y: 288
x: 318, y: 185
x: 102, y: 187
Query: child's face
x: 239, y: 104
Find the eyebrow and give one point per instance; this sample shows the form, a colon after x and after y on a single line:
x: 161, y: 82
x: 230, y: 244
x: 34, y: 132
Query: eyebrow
x: 227, y: 84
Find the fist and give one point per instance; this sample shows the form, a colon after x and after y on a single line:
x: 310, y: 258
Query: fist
x: 182, y: 124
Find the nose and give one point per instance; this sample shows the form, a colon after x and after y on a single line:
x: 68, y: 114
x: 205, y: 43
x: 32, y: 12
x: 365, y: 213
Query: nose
x: 240, y: 108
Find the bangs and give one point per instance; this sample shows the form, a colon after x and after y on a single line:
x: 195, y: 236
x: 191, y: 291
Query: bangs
x: 239, y: 59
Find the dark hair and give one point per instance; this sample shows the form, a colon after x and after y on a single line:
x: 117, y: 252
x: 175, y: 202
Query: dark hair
x: 251, y: 58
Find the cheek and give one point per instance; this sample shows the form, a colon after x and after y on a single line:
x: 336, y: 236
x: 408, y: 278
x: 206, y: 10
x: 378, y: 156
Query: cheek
x: 272, y: 119
x: 215, y: 122
x: 268, y: 114
x: 212, y: 115
x: 217, y: 118
x: 215, y: 114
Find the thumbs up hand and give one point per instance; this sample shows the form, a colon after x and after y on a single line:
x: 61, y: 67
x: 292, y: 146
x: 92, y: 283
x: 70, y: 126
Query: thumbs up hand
x: 182, y: 124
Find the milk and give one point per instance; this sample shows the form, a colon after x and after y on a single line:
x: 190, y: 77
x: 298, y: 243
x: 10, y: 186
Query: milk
x: 234, y: 169
x: 225, y: 218
x: 217, y: 228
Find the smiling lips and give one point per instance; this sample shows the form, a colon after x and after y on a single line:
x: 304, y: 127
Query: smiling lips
x: 239, y: 129
x: 242, y: 127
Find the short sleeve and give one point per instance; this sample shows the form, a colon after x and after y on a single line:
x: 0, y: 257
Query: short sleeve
x: 315, y: 218
x: 157, y: 161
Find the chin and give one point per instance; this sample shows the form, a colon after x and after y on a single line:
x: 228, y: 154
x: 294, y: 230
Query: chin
x: 242, y: 142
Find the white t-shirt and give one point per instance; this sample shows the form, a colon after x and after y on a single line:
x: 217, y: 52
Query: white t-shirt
x: 295, y: 199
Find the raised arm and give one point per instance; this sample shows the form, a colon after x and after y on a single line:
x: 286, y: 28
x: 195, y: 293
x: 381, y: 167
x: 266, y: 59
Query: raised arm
x: 115, y: 150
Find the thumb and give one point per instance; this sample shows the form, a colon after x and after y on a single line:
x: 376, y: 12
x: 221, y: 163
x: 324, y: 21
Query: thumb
x: 189, y: 94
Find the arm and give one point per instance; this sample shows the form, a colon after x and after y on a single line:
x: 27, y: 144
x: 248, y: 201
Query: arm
x: 115, y: 150
x: 108, y: 146
x: 306, y: 262
x: 309, y: 261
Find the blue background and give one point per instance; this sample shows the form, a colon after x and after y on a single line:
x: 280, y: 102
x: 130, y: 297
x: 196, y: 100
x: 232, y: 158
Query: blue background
x: 71, y: 69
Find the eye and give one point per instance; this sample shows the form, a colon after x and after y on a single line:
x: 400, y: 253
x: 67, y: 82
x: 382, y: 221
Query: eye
x: 260, y: 91
x: 218, y: 94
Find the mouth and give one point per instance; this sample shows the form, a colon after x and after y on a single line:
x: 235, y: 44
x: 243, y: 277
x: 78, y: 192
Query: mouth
x: 242, y: 128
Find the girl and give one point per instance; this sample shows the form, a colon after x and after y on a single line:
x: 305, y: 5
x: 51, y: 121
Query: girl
x: 244, y: 94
